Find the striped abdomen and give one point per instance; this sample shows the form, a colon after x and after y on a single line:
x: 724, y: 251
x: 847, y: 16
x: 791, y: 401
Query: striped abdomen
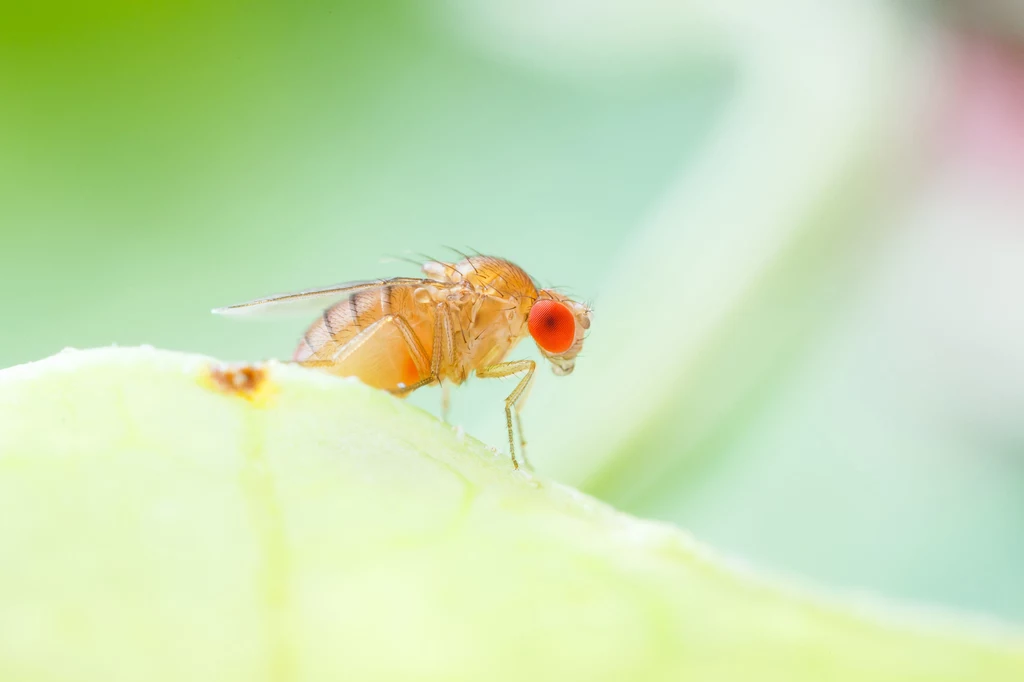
x: 340, y: 343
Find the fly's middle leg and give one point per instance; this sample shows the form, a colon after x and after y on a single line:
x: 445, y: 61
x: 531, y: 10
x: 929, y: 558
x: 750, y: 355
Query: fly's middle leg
x: 514, y: 400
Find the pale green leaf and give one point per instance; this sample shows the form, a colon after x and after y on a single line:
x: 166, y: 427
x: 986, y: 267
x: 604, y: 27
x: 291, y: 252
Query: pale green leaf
x: 158, y: 524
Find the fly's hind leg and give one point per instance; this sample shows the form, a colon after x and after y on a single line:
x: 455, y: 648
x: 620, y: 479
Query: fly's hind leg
x: 442, y: 340
x: 514, y: 400
x: 429, y: 370
x: 340, y: 354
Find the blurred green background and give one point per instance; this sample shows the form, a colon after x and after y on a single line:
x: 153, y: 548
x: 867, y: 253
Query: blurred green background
x: 800, y: 228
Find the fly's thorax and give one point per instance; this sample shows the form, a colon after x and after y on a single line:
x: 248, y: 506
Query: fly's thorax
x: 488, y: 327
x: 486, y: 285
x: 495, y: 277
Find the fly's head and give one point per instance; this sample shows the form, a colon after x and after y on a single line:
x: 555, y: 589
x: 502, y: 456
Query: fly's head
x: 558, y: 325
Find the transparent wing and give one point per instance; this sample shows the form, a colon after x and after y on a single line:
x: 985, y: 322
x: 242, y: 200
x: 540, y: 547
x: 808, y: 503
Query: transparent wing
x: 312, y: 301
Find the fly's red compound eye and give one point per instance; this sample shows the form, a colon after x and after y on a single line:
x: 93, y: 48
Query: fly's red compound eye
x: 552, y: 326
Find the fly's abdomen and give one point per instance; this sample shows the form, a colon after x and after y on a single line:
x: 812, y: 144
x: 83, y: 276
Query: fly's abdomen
x: 352, y: 338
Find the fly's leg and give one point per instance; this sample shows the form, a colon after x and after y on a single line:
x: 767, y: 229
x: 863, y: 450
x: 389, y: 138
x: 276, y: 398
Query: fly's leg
x: 446, y: 402
x: 339, y: 355
x: 442, y: 335
x: 432, y: 368
x: 513, y: 401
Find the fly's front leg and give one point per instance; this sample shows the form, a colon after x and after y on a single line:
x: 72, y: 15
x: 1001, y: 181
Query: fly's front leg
x: 505, y: 369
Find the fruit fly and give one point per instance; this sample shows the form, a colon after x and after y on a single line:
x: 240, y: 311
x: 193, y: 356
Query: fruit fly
x: 462, y: 318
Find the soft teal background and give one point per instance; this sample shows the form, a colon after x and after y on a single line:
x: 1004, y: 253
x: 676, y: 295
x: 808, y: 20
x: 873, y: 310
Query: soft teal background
x: 157, y: 161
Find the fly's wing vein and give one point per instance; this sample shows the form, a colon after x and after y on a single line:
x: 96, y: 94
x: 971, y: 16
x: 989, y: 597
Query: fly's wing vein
x: 314, y: 300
